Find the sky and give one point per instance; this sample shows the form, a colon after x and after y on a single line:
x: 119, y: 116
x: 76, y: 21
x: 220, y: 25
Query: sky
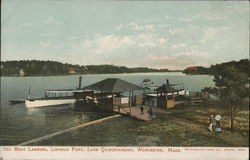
x: 159, y: 34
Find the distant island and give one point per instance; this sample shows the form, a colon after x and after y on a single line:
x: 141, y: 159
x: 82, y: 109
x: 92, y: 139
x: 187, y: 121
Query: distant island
x: 196, y: 70
x: 51, y: 68
x: 243, y: 65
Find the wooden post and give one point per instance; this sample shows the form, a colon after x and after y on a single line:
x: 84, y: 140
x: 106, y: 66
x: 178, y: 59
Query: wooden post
x: 166, y: 101
x: 157, y: 99
x: 112, y: 102
x: 130, y: 103
x: 232, y: 117
x: 80, y: 82
x: 173, y: 97
x: 132, y: 97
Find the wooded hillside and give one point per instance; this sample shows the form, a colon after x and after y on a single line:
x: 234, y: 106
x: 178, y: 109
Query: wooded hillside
x: 243, y: 66
x: 35, y: 67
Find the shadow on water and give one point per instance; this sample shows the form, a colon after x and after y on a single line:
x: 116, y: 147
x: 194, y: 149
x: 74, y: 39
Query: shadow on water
x: 91, y: 108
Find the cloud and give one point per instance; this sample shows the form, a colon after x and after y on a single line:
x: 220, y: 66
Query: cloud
x: 48, y: 20
x: 176, y: 61
x: 179, y: 45
x: 185, y: 30
x: 105, y: 43
x: 167, y: 40
x: 206, y: 15
x: 167, y: 54
x: 113, y: 43
x: 51, y: 20
x: 189, y: 18
x: 153, y: 42
x: 168, y: 17
x: 149, y: 25
x: 216, y: 17
x: 136, y: 27
x: 152, y: 19
x: 27, y: 24
x: 45, y: 44
x: 47, y: 34
x: 7, y: 32
x: 224, y: 38
x: 147, y: 40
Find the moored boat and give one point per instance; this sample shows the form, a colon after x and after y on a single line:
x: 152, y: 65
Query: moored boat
x: 56, y: 97
x: 147, y: 81
x: 48, y: 102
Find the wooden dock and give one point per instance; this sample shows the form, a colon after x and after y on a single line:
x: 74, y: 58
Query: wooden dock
x: 133, y: 112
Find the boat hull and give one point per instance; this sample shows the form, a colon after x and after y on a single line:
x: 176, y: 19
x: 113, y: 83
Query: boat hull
x: 48, y: 102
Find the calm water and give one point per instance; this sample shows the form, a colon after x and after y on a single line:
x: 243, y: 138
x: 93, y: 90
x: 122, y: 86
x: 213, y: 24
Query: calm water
x: 19, y: 124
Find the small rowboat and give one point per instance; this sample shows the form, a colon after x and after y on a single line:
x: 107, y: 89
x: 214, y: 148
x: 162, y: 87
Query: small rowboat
x: 147, y: 82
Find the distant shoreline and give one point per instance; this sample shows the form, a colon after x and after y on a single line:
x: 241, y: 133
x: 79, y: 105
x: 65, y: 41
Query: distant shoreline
x: 52, y: 68
x: 42, y: 75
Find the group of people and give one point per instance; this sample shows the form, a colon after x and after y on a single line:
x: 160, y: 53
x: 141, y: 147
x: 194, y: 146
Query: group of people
x: 150, y: 111
x: 214, y: 123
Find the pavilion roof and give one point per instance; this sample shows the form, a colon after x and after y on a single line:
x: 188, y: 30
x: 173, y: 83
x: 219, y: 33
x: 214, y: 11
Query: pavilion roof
x: 113, y: 85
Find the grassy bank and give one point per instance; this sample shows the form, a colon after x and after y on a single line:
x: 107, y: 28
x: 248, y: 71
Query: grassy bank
x: 202, y: 113
x: 171, y: 128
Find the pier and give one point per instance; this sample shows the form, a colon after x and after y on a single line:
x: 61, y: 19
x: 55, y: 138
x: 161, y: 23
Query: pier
x: 133, y: 112
x: 108, y: 95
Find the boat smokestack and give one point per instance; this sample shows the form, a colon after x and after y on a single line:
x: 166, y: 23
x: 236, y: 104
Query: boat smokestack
x: 80, y: 82
x: 167, y: 82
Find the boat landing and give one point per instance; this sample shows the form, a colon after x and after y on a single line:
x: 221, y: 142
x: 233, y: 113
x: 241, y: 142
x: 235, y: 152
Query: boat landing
x: 134, y: 112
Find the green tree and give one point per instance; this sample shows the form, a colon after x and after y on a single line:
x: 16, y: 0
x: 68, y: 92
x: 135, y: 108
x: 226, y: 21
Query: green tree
x: 231, y: 84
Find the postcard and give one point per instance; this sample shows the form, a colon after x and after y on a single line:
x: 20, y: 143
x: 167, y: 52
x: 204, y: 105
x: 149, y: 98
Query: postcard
x: 124, y: 80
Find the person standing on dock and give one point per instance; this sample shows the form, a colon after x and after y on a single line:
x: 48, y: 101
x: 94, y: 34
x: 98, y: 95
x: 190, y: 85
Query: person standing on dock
x: 150, y: 113
x: 142, y: 109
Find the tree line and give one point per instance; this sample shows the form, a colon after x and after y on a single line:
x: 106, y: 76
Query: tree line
x: 36, y: 67
x: 242, y: 65
x: 196, y: 70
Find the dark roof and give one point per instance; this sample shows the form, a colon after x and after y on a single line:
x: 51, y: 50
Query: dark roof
x: 165, y: 88
x: 113, y: 85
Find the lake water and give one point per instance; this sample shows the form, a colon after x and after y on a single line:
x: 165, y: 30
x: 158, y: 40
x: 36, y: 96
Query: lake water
x: 19, y: 124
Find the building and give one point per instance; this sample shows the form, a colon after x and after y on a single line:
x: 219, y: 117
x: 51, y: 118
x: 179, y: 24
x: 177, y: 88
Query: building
x: 72, y: 71
x: 21, y: 72
x: 166, y: 96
